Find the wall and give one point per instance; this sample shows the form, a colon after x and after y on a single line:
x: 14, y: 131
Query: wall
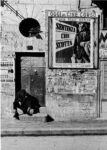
x: 103, y: 65
x: 71, y: 95
x: 81, y: 101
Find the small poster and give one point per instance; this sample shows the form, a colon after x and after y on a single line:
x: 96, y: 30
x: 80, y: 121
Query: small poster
x: 71, y: 42
x: 103, y: 43
x: 7, y: 70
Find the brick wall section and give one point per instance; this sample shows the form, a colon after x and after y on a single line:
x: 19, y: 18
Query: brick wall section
x: 61, y: 106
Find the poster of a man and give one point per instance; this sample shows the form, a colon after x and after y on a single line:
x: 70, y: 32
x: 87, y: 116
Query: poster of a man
x: 72, y: 43
x: 82, y: 44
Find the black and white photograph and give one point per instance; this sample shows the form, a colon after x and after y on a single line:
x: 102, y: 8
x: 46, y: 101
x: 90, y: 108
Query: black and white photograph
x: 53, y: 75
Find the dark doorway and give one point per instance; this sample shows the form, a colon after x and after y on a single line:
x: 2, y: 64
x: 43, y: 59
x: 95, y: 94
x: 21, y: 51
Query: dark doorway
x: 30, y: 74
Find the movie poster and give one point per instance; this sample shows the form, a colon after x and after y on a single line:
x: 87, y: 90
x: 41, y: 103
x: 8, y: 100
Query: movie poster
x: 71, y: 43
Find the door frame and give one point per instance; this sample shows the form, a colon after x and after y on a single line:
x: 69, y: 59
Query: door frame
x: 101, y: 83
x: 18, y: 55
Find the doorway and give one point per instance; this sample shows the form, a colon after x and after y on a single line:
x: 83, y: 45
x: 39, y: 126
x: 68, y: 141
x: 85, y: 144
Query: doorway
x: 103, y: 88
x: 30, y: 74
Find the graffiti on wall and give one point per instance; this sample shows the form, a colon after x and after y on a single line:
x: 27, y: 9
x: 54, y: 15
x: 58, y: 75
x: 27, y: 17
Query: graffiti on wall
x: 73, y: 82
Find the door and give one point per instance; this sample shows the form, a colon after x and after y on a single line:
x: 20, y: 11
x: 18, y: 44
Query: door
x: 103, y: 89
x: 30, y: 74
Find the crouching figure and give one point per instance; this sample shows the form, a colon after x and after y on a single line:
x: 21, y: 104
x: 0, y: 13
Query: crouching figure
x: 26, y: 103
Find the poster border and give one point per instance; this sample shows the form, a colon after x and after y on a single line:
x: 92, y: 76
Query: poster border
x: 51, y: 63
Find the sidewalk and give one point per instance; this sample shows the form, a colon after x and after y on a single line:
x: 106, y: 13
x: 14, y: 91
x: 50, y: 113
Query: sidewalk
x: 12, y: 127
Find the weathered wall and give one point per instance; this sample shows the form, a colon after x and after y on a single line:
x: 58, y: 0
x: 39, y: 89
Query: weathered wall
x: 81, y: 101
x: 7, y: 89
x: 103, y: 65
x: 71, y: 95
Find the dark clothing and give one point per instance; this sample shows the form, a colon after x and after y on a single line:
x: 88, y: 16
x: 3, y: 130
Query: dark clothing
x: 25, y: 102
x: 78, y: 49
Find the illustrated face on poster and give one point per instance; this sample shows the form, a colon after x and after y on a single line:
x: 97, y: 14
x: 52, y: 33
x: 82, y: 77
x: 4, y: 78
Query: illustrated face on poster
x: 72, y: 43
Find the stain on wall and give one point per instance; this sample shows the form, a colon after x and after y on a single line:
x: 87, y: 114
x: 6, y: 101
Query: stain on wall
x: 71, y: 82
x: 71, y: 94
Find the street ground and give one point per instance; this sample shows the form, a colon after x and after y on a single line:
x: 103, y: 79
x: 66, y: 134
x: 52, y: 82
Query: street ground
x: 13, y: 127
x: 72, y: 135
x: 54, y: 143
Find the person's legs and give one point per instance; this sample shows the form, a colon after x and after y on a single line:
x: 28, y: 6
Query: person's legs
x: 16, y: 107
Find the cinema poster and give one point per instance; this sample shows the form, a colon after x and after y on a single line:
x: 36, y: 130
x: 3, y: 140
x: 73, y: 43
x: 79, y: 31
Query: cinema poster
x: 71, y: 42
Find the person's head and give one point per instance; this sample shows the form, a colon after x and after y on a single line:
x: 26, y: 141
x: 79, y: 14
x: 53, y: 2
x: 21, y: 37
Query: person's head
x: 82, y: 27
x: 20, y: 96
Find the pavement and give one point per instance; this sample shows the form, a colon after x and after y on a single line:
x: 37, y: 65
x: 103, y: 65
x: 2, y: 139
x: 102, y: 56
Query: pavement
x: 13, y: 127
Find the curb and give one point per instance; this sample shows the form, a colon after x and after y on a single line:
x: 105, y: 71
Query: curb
x: 54, y: 132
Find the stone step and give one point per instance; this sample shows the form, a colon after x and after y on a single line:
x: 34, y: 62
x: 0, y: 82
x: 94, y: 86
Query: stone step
x: 43, y: 110
x: 39, y: 117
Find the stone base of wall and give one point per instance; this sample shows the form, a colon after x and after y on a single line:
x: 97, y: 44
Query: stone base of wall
x: 72, y: 107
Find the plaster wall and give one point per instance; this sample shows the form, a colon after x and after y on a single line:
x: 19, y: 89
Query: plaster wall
x: 81, y: 100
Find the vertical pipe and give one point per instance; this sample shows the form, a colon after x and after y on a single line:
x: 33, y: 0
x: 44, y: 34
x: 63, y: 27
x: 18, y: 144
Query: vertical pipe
x: 79, y: 4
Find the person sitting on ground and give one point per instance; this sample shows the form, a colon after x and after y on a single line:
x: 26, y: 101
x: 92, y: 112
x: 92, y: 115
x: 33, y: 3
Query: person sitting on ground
x: 25, y: 103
